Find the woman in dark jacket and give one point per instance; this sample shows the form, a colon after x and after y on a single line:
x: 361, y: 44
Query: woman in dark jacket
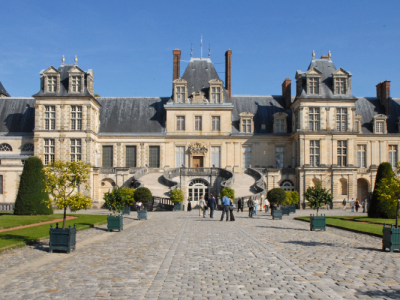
x: 231, y: 216
x: 240, y: 204
x: 190, y: 204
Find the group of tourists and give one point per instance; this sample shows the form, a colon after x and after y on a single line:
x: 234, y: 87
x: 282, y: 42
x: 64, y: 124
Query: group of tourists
x: 355, y: 205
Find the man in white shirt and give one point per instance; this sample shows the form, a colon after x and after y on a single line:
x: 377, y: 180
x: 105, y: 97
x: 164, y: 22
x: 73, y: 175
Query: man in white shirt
x: 352, y: 204
x: 266, y: 203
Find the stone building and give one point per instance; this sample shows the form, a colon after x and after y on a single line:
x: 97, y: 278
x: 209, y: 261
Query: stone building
x: 322, y: 134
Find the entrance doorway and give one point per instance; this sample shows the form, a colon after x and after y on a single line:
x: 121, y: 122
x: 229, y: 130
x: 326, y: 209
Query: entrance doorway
x: 362, y: 189
x: 198, y: 188
x: 198, y: 161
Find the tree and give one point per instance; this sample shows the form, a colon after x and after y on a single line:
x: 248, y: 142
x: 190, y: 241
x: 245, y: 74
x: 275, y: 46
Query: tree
x: 318, y: 196
x: 62, y: 181
x: 289, y: 198
x: 295, y: 197
x: 32, y: 198
x: 129, y: 194
x: 143, y: 194
x: 276, y: 196
x: 374, y: 209
x: 115, y: 200
x: 227, y: 191
x: 176, y: 196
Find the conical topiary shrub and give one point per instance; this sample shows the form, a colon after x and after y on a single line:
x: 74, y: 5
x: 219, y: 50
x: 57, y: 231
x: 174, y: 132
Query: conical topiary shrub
x: 31, y: 197
x: 384, y: 171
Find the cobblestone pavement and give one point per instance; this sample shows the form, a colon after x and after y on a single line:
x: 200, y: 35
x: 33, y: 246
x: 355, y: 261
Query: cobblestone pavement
x: 176, y: 255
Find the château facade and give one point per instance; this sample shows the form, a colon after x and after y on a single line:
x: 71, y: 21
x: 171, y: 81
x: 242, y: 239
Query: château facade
x: 322, y: 134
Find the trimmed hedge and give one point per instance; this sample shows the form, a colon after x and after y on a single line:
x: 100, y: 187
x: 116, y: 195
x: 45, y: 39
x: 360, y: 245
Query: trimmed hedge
x: 374, y: 209
x: 142, y: 194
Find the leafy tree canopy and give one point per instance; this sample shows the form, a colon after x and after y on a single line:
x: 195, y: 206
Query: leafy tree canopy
x: 115, y: 200
x: 176, y: 196
x: 318, y: 196
x: 129, y: 194
x: 384, y: 172
x: 276, y: 196
x: 227, y: 191
x: 142, y: 194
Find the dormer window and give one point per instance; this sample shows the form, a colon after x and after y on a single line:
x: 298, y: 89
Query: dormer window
x: 340, y: 86
x: 51, y: 84
x: 51, y: 80
x: 75, y: 84
x: 246, y: 122
x: 313, y: 86
x: 341, y: 82
x: 357, y: 123
x: 216, y: 89
x: 380, y: 124
x: 180, y: 90
x: 280, y: 125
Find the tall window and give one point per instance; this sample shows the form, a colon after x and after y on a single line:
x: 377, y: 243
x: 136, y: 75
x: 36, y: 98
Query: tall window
x: 246, y: 157
x: 342, y: 153
x: 76, y: 84
x: 51, y: 84
x: 180, y: 156
x: 314, y: 118
x: 154, y: 156
x: 297, y: 119
x: 49, y: 150
x: 216, y: 157
x: 180, y: 123
x: 279, y: 151
x: 216, y: 123
x: 313, y: 86
x: 379, y: 127
x: 1, y: 184
x: 76, y: 150
x: 76, y: 117
x: 50, y: 118
x: 340, y: 86
x: 198, y: 123
x: 107, y: 156
x: 314, y: 153
x: 341, y: 119
x: 280, y: 125
x: 180, y: 94
x: 216, y: 95
x: 246, y: 125
x: 393, y: 155
x: 130, y: 159
x: 361, y: 157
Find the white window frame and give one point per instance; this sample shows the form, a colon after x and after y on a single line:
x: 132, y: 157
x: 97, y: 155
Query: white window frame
x: 361, y: 156
x: 341, y: 119
x: 216, y: 123
x: 198, y: 123
x: 216, y: 94
x: 50, y: 117
x: 314, y: 118
x: 246, y: 157
x: 246, y: 125
x: 180, y: 94
x: 76, y: 117
x: 379, y: 125
x: 76, y: 83
x: 180, y: 156
x: 180, y: 123
x: 313, y: 85
x: 393, y: 158
x: 342, y: 153
x: 340, y: 86
x: 52, y: 84
x: 216, y: 156
x: 49, y: 151
x: 315, y: 153
x: 76, y: 150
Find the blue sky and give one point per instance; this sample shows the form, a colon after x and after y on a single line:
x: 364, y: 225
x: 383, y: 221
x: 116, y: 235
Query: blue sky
x: 129, y: 44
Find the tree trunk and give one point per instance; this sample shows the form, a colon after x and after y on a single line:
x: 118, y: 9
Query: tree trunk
x: 65, y: 217
x: 397, y: 214
x: 317, y: 212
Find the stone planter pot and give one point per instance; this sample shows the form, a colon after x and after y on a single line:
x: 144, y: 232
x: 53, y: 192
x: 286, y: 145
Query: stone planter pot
x: 390, y: 238
x: 115, y: 223
x: 292, y: 208
x: 277, y: 214
x: 127, y: 210
x: 142, y: 214
x: 317, y: 222
x: 177, y: 206
x: 285, y: 210
x: 62, y: 239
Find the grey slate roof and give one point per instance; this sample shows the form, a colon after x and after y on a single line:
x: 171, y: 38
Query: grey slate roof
x: 198, y: 73
x: 368, y: 107
x: 3, y: 90
x: 64, y: 78
x: 132, y: 115
x: 327, y: 68
x: 17, y: 115
x: 263, y: 108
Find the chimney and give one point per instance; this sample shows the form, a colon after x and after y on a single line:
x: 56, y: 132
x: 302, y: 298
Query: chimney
x: 176, y: 73
x: 383, y: 93
x: 228, y: 64
x: 287, y: 92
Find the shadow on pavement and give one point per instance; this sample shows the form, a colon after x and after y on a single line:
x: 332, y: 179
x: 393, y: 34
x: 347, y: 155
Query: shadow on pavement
x: 286, y: 228
x: 312, y: 244
x: 392, y: 294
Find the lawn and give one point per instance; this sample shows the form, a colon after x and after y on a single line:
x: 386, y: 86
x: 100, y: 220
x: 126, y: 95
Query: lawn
x: 355, y: 223
x: 21, y: 237
x: 10, y: 220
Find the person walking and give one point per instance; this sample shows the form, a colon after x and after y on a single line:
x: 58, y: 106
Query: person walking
x: 344, y: 203
x: 231, y: 208
x: 225, y: 208
x: 255, y: 205
x: 357, y: 204
x: 190, y: 204
x: 211, y: 205
x: 365, y: 205
x: 266, y: 203
x: 240, y: 204
x: 202, y: 204
x: 352, y: 203
x: 250, y: 204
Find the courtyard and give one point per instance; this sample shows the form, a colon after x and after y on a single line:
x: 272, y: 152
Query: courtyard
x: 177, y: 255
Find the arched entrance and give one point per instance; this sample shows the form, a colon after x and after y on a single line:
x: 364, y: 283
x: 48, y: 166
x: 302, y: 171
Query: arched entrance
x: 197, y: 188
x: 106, y: 185
x: 287, y: 185
x: 362, y: 189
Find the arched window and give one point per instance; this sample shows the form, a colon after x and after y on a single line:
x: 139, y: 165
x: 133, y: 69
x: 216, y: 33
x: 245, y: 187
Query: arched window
x: 287, y: 185
x: 28, y: 147
x: 198, y: 188
x: 5, y: 147
x: 343, y: 186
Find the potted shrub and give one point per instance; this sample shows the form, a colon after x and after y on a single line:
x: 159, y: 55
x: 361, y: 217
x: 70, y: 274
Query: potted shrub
x: 129, y: 199
x: 295, y: 201
x: 143, y: 195
x: 276, y: 197
x: 177, y: 198
x: 115, y: 201
x: 317, y: 197
x: 62, y: 179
